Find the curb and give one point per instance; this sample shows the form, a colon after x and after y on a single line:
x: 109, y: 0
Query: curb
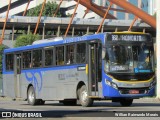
x: 151, y: 99
x: 10, y: 99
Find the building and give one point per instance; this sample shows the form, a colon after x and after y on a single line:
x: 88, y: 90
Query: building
x: 145, y: 5
x: 152, y: 6
x: 18, y: 6
x: 80, y: 10
x: 70, y: 5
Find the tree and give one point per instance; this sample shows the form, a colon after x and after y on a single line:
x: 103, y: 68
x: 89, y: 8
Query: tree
x: 2, y: 47
x: 49, y: 10
x: 26, y: 39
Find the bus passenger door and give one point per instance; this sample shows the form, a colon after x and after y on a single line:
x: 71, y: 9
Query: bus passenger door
x: 93, y: 65
x: 17, y: 72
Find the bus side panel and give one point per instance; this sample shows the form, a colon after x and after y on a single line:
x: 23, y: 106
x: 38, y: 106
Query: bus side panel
x: 42, y: 81
x: 31, y: 77
x: 67, y: 83
x: 53, y: 83
x: 48, y: 90
x: 9, y: 85
x: 24, y: 86
x: 61, y: 84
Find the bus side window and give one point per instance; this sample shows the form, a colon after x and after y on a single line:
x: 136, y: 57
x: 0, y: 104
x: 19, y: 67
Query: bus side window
x: 70, y: 54
x: 37, y: 58
x: 81, y: 53
x: 60, y: 55
x: 26, y: 56
x: 9, y: 62
x: 48, y: 57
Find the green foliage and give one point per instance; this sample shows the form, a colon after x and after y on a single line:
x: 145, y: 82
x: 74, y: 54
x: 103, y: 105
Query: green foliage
x: 2, y: 47
x: 69, y: 15
x: 49, y: 10
x: 26, y: 39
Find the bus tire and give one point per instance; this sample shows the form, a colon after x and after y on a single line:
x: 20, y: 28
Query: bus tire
x: 84, y: 100
x: 31, y: 96
x: 126, y: 102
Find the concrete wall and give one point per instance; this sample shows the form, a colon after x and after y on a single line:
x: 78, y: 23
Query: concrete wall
x: 9, y: 43
x: 80, y: 10
x: 5, y: 2
x: 19, y: 9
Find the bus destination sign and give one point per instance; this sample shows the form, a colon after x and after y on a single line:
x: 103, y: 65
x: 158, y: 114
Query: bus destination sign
x: 128, y: 37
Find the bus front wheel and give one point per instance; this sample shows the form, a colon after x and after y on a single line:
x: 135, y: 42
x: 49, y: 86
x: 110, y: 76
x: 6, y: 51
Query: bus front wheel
x: 85, y: 101
x: 31, y: 96
x: 126, y: 102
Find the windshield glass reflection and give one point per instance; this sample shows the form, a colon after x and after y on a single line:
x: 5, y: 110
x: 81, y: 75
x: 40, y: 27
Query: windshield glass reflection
x: 121, y: 58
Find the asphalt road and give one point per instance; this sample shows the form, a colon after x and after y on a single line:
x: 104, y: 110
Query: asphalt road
x: 141, y: 108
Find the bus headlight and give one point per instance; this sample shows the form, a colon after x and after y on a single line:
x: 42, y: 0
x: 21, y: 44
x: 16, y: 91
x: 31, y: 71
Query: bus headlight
x: 108, y: 82
x: 114, y: 85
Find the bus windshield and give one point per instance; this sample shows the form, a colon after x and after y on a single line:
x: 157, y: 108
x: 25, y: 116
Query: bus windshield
x: 126, y: 58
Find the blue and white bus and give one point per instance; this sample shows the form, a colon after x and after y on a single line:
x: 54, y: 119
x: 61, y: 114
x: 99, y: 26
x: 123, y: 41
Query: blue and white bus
x: 117, y: 66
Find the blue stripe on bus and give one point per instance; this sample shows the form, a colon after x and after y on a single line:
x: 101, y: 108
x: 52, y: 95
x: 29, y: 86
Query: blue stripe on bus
x: 8, y: 72
x: 49, y: 68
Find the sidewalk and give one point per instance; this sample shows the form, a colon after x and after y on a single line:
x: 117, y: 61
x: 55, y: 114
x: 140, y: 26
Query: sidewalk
x: 153, y: 99
x: 5, y: 99
x: 10, y: 99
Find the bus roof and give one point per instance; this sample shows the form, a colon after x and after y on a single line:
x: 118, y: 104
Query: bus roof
x: 56, y: 42
x: 128, y: 32
x: 51, y: 42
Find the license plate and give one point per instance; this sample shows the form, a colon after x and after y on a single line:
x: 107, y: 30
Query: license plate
x: 134, y: 92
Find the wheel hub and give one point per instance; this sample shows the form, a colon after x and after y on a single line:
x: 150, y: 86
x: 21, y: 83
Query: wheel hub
x: 84, y: 96
x: 31, y: 96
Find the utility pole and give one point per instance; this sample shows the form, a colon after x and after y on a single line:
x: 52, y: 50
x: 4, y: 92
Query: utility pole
x: 71, y: 18
x: 39, y: 18
x: 5, y: 22
x: 157, y: 46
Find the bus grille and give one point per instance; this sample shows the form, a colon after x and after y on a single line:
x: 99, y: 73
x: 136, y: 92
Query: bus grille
x: 130, y: 77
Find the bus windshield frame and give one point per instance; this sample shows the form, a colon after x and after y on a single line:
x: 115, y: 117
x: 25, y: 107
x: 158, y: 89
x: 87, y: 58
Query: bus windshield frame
x: 129, y: 56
